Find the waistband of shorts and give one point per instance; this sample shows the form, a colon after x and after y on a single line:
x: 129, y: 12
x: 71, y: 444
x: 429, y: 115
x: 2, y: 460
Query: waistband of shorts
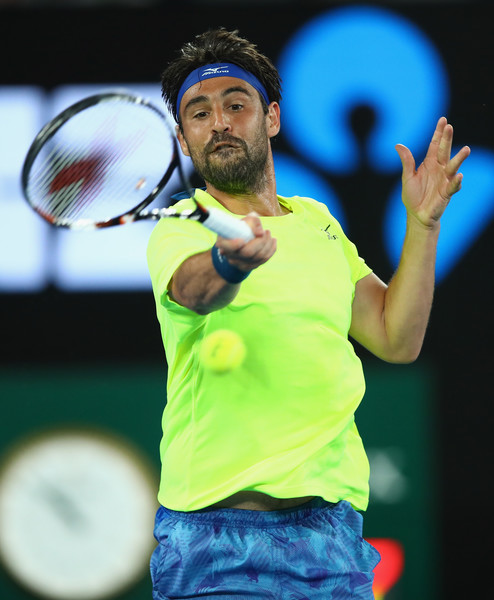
x: 249, y: 518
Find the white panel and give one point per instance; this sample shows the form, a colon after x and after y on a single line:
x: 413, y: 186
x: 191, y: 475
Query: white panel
x: 108, y: 259
x: 23, y: 235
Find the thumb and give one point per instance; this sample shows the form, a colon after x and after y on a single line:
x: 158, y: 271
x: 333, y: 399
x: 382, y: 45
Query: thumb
x: 407, y: 160
x: 254, y: 222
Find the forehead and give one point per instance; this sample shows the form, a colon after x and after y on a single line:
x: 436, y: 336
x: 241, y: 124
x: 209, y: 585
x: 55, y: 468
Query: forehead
x: 216, y: 86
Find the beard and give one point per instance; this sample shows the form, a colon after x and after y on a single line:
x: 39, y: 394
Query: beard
x: 234, y: 168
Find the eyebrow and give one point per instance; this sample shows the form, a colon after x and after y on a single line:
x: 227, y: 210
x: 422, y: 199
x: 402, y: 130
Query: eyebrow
x: 224, y: 93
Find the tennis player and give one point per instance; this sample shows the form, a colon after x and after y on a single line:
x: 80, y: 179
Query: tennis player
x: 264, y: 474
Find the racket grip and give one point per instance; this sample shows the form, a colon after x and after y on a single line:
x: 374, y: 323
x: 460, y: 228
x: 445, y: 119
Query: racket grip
x: 227, y: 226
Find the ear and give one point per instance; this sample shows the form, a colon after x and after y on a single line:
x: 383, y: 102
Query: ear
x: 181, y: 141
x: 273, y: 119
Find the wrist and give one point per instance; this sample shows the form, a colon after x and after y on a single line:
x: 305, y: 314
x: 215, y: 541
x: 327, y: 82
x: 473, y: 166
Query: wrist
x: 225, y: 269
x: 415, y: 224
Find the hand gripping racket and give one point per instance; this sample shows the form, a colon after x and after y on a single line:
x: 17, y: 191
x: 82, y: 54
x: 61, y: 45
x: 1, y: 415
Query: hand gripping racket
x: 103, y: 160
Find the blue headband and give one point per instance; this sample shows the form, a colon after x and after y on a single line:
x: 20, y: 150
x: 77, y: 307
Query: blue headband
x: 219, y: 70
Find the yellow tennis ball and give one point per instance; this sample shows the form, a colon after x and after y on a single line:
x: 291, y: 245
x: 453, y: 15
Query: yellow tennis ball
x: 222, y: 351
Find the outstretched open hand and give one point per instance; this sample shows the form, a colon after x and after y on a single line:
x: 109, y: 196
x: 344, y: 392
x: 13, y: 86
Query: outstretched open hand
x: 426, y: 191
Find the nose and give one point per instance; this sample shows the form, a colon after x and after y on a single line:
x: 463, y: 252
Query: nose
x: 221, y: 122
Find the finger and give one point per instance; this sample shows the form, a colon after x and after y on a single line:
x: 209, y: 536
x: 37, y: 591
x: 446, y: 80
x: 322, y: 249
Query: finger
x: 454, y: 185
x: 257, y: 248
x: 255, y: 253
x: 444, y: 149
x: 407, y: 161
x: 234, y: 248
x: 436, y: 138
x: 457, y: 160
x: 254, y: 222
x: 229, y: 246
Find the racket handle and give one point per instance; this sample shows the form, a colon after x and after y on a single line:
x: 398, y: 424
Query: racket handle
x: 227, y: 226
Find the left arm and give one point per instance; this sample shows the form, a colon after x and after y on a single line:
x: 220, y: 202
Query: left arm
x: 390, y: 320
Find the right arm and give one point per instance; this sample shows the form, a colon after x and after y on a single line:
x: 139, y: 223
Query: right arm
x: 196, y: 283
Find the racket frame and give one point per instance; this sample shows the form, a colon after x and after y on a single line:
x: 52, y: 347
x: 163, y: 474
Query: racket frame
x: 49, y: 130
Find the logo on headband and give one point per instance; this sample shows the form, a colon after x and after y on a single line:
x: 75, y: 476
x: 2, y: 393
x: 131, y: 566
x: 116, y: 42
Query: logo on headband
x: 216, y: 70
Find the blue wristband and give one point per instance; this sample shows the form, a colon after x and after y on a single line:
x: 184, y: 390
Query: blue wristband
x: 225, y: 269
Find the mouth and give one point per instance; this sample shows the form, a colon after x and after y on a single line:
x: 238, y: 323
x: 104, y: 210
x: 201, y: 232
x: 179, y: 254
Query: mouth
x: 223, y: 146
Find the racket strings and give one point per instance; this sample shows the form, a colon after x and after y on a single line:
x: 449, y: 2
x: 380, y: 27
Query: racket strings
x: 62, y: 183
x: 102, y: 162
x: 76, y: 180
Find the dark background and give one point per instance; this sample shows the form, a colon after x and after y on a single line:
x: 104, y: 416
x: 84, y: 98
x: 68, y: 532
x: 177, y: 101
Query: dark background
x: 50, y: 47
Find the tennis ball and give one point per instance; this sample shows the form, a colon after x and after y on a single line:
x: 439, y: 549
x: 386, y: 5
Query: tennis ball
x: 222, y: 351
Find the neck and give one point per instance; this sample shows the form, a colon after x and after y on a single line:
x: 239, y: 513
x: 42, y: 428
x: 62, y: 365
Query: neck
x: 265, y: 205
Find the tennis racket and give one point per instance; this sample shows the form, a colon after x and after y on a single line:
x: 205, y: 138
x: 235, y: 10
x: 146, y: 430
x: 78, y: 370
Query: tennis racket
x: 102, y: 161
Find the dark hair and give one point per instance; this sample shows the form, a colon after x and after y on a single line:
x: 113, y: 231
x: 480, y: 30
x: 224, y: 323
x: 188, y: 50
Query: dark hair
x: 219, y: 45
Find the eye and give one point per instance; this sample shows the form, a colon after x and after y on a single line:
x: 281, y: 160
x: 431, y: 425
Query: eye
x: 200, y: 114
x: 236, y: 106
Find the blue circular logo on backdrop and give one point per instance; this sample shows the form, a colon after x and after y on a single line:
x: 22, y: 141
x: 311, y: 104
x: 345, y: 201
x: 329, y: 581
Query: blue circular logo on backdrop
x: 360, y: 57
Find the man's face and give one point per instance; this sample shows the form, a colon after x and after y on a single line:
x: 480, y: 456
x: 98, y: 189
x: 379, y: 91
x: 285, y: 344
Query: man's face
x: 226, y: 134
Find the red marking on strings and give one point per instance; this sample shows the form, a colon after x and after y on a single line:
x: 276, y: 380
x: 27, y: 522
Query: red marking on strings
x: 89, y: 171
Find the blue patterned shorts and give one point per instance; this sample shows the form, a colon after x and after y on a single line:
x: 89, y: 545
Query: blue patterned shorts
x: 311, y: 552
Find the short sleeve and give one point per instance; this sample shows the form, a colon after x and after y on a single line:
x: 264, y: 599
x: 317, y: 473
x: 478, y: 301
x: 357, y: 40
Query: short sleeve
x: 357, y: 264
x: 172, y: 241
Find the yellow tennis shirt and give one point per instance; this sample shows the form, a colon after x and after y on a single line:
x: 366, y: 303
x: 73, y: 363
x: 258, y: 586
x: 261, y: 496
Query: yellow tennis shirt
x: 282, y: 423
